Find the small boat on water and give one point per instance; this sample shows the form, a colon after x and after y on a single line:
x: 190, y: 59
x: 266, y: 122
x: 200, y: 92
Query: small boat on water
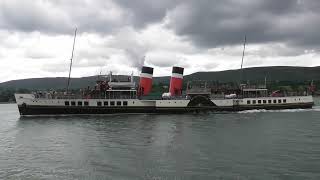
x: 112, y: 96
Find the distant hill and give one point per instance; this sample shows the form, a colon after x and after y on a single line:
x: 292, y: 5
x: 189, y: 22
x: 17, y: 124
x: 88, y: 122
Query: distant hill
x: 274, y: 73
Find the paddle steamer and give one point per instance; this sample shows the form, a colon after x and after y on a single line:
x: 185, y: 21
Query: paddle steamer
x: 112, y: 96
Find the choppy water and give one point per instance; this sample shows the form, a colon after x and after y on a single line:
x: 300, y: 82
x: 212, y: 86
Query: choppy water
x: 247, y: 145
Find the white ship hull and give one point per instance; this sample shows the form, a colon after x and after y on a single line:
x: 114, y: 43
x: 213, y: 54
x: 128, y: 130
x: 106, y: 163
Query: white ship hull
x: 29, y: 105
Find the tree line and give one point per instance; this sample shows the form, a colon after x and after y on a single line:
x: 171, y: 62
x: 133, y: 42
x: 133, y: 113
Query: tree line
x: 7, y: 94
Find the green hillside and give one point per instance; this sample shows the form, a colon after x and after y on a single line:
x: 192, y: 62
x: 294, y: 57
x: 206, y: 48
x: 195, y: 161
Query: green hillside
x: 257, y: 74
x: 276, y: 73
x: 290, y: 78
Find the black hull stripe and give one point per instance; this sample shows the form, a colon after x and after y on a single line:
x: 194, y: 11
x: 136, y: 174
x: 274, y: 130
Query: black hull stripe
x: 58, y: 110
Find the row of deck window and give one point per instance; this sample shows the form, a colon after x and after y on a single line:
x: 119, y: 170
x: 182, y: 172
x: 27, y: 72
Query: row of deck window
x: 99, y: 103
x: 275, y: 101
x: 73, y: 103
x: 113, y: 103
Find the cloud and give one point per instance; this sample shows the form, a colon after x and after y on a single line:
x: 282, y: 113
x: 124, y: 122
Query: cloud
x: 163, y: 59
x: 114, y: 35
x: 211, y: 23
x: 61, y: 17
x: 31, y: 16
x: 206, y: 23
x: 145, y: 12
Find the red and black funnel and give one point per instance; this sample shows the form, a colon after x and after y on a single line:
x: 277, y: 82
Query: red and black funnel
x: 176, y: 81
x: 145, y: 85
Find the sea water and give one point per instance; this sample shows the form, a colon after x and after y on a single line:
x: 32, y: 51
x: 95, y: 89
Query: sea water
x: 255, y: 144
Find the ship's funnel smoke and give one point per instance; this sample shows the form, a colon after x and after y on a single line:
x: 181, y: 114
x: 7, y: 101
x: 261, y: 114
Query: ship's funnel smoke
x: 145, y: 85
x: 176, y: 81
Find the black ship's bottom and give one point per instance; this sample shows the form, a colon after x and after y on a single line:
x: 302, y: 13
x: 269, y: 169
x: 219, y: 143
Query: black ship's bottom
x: 61, y: 110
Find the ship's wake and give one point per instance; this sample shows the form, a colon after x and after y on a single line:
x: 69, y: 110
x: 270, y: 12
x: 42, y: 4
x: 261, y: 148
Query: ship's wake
x: 316, y: 108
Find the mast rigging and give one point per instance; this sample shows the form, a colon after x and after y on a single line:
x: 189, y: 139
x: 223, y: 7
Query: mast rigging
x: 244, y: 48
x: 74, y: 41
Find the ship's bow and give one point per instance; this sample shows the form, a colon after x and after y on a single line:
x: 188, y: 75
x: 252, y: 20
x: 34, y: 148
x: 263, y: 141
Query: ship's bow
x: 22, y: 100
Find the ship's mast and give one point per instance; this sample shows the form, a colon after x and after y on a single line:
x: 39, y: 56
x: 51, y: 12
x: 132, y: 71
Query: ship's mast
x: 110, y: 76
x: 74, y: 41
x: 100, y: 74
x: 244, y: 48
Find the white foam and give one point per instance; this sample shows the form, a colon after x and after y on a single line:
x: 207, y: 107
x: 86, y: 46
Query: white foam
x: 316, y: 108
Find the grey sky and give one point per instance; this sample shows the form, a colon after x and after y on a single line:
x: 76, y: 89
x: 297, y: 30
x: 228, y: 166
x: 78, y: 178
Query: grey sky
x: 116, y: 34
